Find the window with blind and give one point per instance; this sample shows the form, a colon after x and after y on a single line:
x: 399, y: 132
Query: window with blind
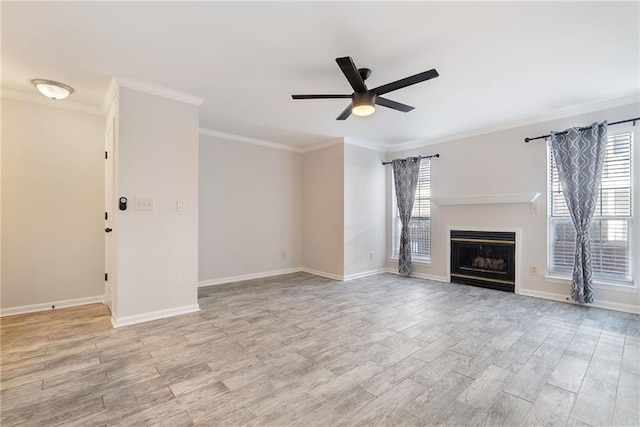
x: 611, y: 227
x: 420, y: 225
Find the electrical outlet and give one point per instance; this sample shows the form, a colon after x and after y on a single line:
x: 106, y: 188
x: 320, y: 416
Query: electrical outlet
x: 533, y: 270
x: 371, y: 255
x: 533, y: 208
x: 180, y: 205
x: 144, y: 204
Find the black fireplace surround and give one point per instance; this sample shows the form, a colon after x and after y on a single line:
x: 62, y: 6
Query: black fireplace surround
x: 484, y: 258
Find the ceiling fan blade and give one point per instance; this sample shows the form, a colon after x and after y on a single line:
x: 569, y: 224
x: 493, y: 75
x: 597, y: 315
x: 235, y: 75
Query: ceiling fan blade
x: 346, y: 113
x: 408, y: 81
x: 320, y: 96
x: 393, y: 104
x: 352, y: 74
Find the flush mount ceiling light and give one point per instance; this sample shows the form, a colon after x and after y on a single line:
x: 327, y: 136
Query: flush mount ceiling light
x: 51, y: 89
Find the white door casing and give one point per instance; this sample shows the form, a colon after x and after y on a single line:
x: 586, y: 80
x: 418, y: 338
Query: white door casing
x: 108, y: 209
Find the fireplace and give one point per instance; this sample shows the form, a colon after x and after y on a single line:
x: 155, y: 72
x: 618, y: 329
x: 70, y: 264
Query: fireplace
x: 484, y: 258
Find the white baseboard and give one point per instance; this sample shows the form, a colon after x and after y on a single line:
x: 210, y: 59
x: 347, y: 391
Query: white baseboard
x: 12, y: 311
x: 251, y: 276
x: 154, y: 315
x: 364, y: 274
x: 242, y: 278
x: 323, y: 274
x: 616, y: 306
x: 421, y: 275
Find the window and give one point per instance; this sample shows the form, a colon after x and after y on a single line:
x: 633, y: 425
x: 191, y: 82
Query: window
x: 612, y: 222
x: 420, y: 225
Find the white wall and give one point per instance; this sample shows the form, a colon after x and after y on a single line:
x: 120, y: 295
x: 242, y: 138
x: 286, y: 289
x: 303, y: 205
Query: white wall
x: 157, y: 252
x: 364, y: 211
x: 323, y: 210
x: 250, y: 209
x: 501, y: 162
x: 52, y: 205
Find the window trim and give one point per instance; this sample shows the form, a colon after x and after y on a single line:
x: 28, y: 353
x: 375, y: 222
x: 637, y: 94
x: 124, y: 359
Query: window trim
x: 628, y: 284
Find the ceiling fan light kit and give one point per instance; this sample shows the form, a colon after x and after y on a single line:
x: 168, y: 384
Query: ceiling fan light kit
x: 51, y: 89
x: 364, y: 100
x: 364, y: 104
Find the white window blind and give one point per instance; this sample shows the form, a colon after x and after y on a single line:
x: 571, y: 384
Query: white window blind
x: 611, y: 227
x: 420, y: 225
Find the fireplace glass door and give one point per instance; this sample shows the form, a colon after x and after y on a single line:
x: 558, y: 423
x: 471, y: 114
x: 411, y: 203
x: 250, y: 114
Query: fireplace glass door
x: 483, y: 258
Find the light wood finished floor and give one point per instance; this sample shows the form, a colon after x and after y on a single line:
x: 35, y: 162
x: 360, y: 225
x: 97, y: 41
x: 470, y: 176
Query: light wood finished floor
x: 303, y: 350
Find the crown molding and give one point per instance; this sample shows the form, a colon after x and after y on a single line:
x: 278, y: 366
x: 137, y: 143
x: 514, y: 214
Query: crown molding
x: 320, y: 146
x: 269, y: 144
x: 247, y: 140
x: 560, y: 114
x: 274, y: 145
x: 43, y: 100
x: 109, y: 96
x: 369, y: 146
x: 158, y: 90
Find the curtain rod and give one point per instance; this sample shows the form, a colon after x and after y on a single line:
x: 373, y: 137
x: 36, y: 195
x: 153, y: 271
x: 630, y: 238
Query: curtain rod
x: 419, y: 157
x: 585, y: 128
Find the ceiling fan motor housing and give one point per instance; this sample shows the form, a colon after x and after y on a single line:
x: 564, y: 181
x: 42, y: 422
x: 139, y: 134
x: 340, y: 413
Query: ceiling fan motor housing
x: 363, y: 98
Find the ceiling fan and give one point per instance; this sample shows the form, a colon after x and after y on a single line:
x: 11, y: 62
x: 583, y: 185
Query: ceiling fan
x: 363, y: 100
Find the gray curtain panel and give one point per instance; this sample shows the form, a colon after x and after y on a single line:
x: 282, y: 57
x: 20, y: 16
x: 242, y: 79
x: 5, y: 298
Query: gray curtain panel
x: 579, y: 156
x: 405, y: 174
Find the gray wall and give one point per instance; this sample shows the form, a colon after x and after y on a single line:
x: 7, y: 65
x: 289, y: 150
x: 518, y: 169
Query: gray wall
x: 250, y: 209
x: 323, y: 210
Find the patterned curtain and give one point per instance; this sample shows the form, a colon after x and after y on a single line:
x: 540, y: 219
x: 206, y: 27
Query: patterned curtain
x: 579, y: 156
x: 405, y: 173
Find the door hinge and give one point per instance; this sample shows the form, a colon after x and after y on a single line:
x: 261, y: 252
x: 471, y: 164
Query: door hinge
x: 106, y: 155
x: 106, y: 277
x: 106, y: 215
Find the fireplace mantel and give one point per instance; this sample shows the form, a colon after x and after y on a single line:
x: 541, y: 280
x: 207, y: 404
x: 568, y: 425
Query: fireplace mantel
x: 486, y: 199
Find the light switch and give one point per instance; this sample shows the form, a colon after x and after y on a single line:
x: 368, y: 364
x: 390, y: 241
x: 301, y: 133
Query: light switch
x: 180, y: 205
x: 143, y: 204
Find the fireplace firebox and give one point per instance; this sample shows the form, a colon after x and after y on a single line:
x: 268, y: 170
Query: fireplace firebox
x: 484, y: 258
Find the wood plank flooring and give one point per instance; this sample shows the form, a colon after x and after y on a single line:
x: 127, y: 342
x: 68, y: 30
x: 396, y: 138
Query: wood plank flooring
x: 304, y: 350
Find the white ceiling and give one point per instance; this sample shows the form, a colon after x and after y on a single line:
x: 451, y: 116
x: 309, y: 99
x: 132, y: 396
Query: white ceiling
x: 498, y: 62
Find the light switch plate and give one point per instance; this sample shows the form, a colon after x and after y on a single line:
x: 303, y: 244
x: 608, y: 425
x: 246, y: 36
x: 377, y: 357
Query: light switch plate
x: 180, y: 205
x: 144, y: 204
